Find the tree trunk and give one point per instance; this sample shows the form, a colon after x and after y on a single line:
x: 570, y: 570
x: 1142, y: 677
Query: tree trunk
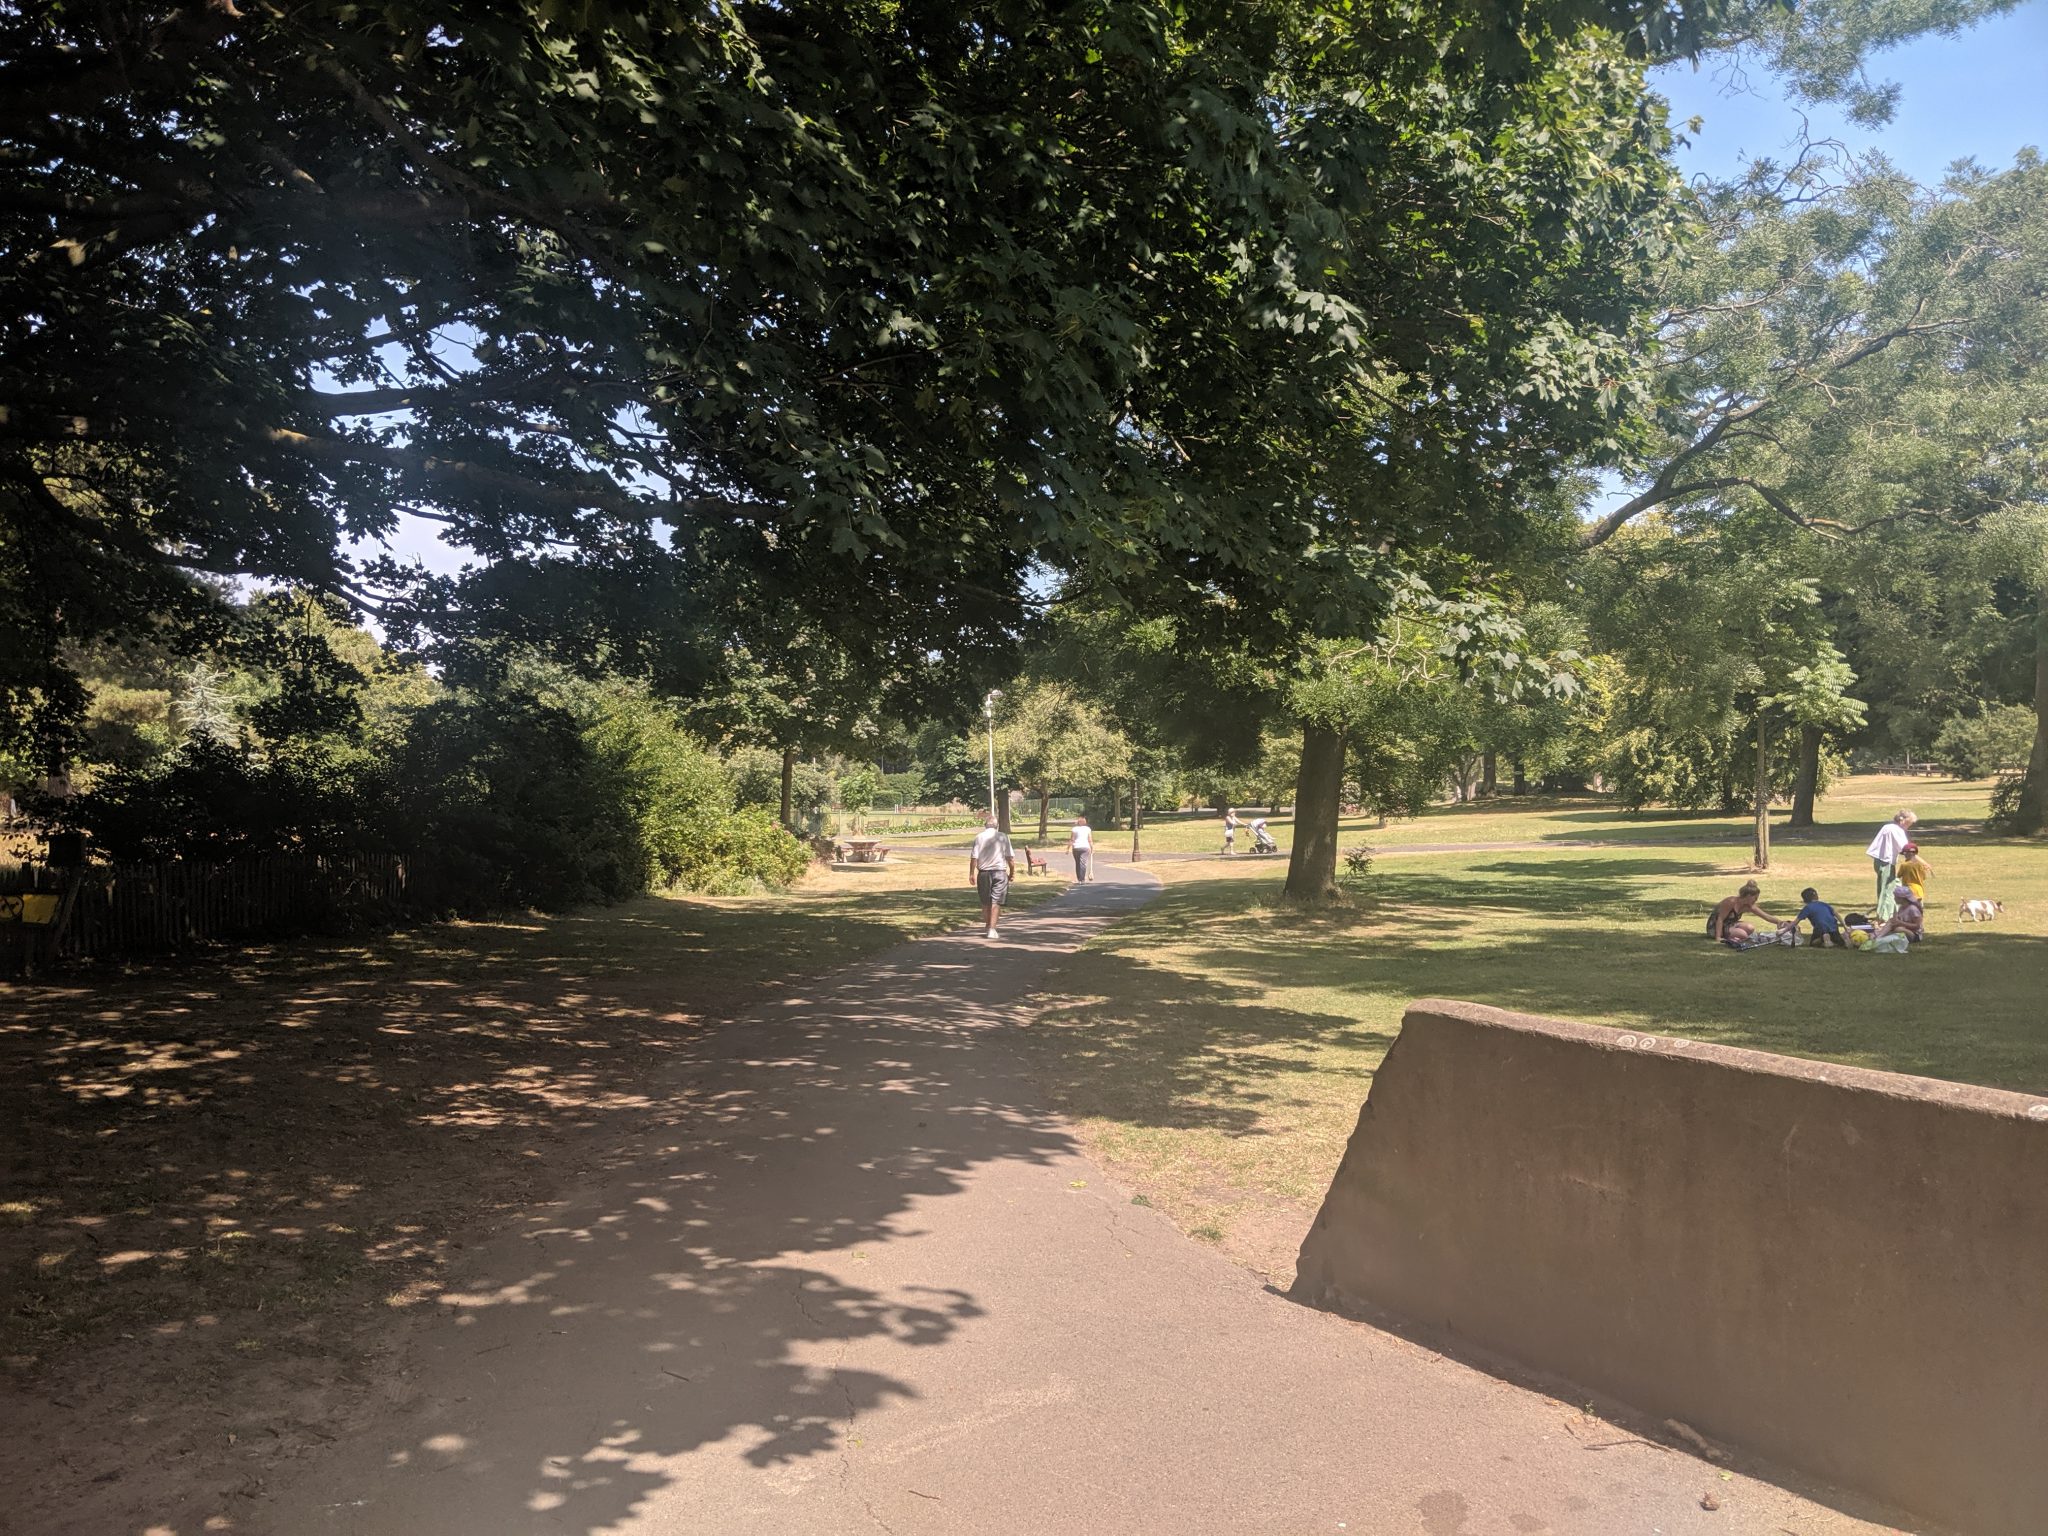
x: 1044, y: 814
x: 1521, y: 778
x: 1137, y: 821
x: 1318, y: 795
x: 1489, y: 775
x: 788, y: 789
x: 2031, y: 814
x: 1809, y: 776
x: 1003, y: 809
x: 1762, y: 859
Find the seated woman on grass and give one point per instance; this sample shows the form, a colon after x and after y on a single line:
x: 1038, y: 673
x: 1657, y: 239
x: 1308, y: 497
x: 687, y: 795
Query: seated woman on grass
x: 1725, y: 923
x: 1908, y: 917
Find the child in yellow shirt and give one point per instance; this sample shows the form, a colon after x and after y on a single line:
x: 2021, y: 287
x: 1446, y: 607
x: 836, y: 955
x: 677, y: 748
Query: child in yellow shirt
x: 1915, y: 871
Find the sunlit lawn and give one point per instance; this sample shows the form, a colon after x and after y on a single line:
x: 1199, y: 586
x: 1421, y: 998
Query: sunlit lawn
x: 1215, y: 1048
x: 1850, y: 811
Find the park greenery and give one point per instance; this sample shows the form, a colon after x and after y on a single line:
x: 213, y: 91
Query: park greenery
x: 1214, y: 1048
x: 1290, y: 402
x: 1338, y: 408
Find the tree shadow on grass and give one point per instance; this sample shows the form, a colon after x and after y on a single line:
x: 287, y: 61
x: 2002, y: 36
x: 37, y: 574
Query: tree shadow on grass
x: 1964, y: 1006
x: 221, y: 1178
x: 1139, y: 1045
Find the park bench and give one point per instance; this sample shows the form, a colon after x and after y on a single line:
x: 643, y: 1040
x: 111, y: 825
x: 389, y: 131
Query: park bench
x: 1034, y: 862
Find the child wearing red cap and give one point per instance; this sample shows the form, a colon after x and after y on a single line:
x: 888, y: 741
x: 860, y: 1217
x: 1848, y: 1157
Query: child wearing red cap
x: 1915, y: 871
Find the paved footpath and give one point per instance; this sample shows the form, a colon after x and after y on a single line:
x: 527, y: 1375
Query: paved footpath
x: 861, y: 1280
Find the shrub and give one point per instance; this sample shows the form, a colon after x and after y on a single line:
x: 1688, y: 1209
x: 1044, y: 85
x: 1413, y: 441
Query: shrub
x: 749, y: 850
x: 214, y: 800
x: 1357, y: 866
x: 756, y: 774
x: 1994, y: 741
x: 505, y: 802
x: 901, y: 788
x: 670, y: 791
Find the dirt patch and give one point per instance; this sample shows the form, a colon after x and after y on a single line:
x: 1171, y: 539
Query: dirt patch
x: 225, y: 1184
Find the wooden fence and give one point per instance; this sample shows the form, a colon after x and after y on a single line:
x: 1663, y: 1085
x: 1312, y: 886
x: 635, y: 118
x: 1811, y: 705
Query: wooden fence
x: 149, y: 908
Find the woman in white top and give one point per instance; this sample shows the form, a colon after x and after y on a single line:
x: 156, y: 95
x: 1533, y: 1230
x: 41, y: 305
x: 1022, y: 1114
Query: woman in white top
x: 1884, y: 851
x: 1081, y: 844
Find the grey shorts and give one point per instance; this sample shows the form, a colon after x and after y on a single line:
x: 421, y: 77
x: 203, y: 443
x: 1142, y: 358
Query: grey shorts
x: 992, y: 885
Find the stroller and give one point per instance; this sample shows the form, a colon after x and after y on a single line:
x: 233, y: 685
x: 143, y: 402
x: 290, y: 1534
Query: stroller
x: 1262, y: 840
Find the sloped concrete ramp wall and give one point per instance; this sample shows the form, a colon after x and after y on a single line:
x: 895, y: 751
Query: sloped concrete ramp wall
x: 1845, y: 1271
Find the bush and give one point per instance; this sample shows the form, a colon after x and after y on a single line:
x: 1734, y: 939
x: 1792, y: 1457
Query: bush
x: 901, y: 788
x: 1994, y: 741
x: 749, y: 851
x: 212, y: 800
x: 505, y: 802
x: 756, y: 774
x: 670, y: 791
x: 540, y: 790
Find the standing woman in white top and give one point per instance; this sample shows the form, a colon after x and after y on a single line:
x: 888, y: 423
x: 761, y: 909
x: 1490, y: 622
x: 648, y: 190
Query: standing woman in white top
x: 1884, y: 852
x: 1081, y: 844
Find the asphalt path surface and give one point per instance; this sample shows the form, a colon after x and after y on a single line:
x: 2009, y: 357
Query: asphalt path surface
x: 859, y: 1278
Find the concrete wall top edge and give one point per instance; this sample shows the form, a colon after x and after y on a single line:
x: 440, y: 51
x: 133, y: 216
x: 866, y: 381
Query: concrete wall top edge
x: 1675, y: 1047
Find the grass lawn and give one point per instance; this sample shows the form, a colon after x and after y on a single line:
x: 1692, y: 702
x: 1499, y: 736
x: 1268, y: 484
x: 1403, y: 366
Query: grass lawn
x: 1947, y: 807
x: 222, y: 1175
x: 1215, y: 1047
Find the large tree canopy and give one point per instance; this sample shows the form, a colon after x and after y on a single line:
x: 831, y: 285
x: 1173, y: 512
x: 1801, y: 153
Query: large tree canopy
x: 867, y: 303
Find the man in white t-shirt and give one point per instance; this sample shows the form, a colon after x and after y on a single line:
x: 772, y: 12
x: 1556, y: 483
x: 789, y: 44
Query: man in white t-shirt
x: 1081, y: 844
x: 1884, y: 851
x: 990, y: 869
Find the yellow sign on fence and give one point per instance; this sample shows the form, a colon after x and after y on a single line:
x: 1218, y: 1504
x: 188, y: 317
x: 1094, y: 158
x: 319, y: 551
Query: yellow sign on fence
x: 35, y: 907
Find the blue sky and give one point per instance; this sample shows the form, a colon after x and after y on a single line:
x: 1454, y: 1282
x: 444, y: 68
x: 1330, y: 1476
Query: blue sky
x: 1979, y: 94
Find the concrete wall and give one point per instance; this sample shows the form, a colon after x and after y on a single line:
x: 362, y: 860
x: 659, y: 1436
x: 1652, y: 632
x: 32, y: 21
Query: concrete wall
x: 1845, y: 1271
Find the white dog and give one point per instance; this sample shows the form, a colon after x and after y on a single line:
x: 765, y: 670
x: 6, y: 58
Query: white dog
x: 1978, y: 911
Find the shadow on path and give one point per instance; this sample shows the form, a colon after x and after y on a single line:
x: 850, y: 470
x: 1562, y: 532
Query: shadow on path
x: 676, y: 1304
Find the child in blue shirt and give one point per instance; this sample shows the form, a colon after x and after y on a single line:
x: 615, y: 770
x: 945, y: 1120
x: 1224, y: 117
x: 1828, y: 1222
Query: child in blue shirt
x: 1827, y: 928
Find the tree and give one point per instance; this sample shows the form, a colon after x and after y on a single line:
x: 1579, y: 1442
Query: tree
x: 1859, y: 363
x: 1815, y: 701
x: 2017, y: 542
x: 1539, y: 732
x: 791, y: 688
x: 1996, y: 740
x: 869, y: 304
x: 1049, y: 741
x: 1399, y: 706
x: 703, y: 289
x: 857, y: 791
x: 1725, y: 645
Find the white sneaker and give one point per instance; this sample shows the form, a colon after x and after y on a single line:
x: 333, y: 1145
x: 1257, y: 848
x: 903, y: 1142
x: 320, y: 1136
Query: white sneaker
x: 990, y: 934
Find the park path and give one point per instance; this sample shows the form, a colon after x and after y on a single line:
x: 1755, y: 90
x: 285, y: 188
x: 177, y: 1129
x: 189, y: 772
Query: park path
x: 859, y: 1278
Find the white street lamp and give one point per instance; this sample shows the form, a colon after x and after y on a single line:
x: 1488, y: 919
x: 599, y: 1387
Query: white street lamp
x: 988, y: 708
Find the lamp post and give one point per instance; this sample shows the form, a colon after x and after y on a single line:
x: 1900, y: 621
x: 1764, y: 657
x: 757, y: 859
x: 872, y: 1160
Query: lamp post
x: 988, y: 709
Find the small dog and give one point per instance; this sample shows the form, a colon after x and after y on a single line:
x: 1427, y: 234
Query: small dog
x: 1978, y: 911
